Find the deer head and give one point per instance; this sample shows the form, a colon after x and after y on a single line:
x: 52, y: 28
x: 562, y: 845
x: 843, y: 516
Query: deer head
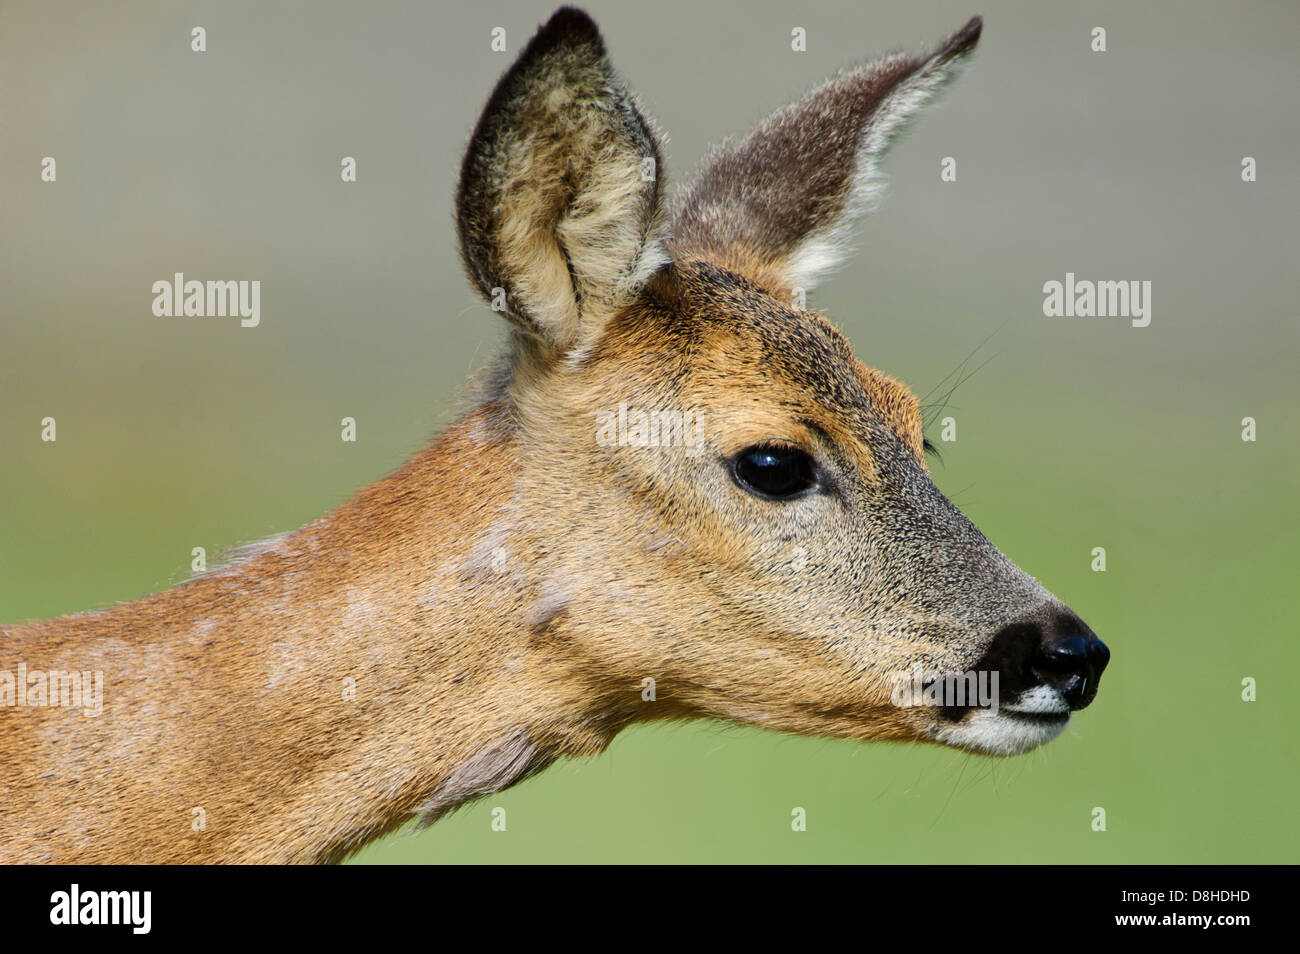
x: 782, y: 556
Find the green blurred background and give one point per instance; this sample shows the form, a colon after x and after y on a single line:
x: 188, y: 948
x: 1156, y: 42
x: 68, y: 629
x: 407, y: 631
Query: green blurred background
x: 177, y: 433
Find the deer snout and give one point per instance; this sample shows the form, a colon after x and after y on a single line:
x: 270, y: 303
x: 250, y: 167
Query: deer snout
x: 1052, y: 648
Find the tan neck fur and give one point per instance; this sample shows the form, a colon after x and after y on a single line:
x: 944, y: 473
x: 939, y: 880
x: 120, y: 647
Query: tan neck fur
x: 378, y: 664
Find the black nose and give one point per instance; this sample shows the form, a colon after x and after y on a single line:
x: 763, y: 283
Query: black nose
x: 1070, y: 658
x: 1052, y: 647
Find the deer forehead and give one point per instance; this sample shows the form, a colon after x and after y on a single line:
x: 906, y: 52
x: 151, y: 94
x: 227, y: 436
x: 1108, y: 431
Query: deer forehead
x: 735, y: 351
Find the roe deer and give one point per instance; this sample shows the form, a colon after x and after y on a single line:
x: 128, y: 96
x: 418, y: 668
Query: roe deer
x: 500, y: 601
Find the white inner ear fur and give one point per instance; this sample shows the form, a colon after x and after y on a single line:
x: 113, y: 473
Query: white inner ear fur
x: 604, y: 242
x: 612, y: 246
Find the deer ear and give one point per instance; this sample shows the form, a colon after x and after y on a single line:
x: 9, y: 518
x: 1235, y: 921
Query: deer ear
x: 778, y: 206
x: 559, y: 203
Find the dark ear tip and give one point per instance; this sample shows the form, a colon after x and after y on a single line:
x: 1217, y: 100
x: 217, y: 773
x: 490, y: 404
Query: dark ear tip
x: 961, y: 42
x: 568, y: 25
x: 967, y: 36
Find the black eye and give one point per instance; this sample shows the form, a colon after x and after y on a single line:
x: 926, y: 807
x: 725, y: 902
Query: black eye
x: 774, y: 471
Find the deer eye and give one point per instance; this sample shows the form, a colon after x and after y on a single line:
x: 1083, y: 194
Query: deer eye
x: 774, y: 471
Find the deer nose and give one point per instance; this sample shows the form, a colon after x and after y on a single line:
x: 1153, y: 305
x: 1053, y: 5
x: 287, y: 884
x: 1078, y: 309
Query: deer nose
x: 1070, y: 658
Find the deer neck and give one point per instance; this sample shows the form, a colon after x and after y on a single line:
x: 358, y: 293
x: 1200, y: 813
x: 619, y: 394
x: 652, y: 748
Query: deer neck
x: 387, y: 662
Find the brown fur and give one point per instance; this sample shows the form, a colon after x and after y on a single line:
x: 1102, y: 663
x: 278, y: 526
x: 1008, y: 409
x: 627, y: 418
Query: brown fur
x: 498, y: 602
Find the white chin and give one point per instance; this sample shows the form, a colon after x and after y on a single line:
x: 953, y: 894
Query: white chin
x: 1001, y: 733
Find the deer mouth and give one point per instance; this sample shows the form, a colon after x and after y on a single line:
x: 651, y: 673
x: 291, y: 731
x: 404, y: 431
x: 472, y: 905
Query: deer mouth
x: 1040, y: 704
x: 1037, y: 716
